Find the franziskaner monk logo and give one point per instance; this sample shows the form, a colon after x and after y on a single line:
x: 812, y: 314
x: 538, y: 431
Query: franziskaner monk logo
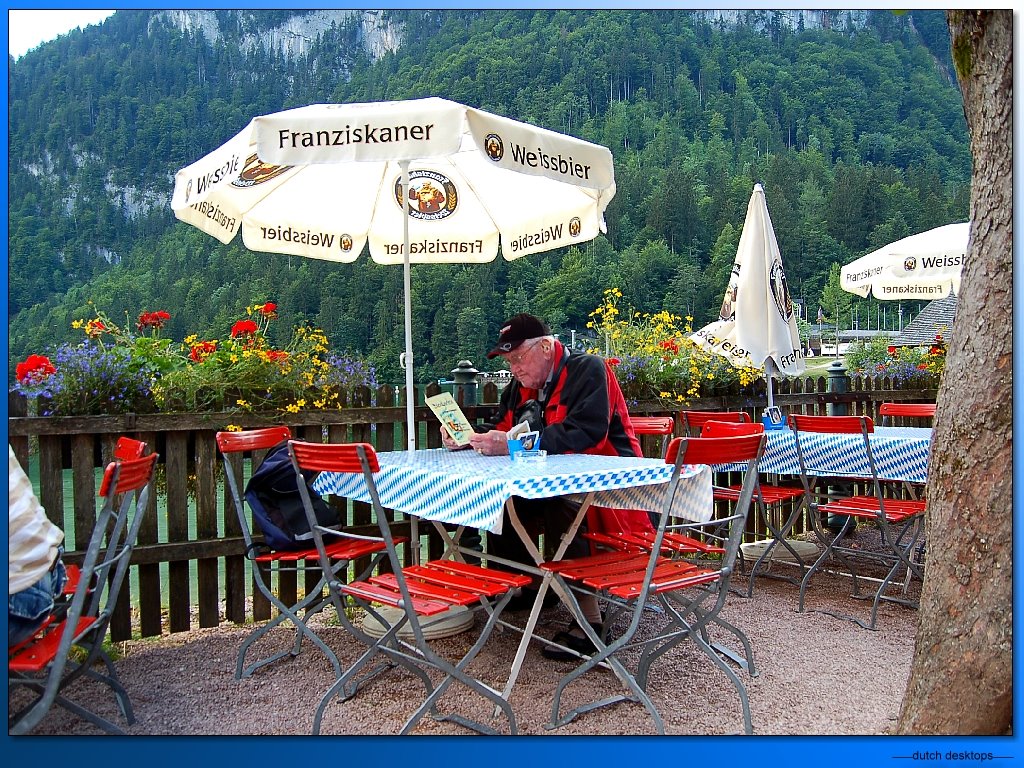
x: 432, y: 195
x: 256, y: 171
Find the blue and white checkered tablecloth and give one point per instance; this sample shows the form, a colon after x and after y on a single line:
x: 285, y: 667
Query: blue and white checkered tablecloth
x: 464, y: 488
x: 900, y: 453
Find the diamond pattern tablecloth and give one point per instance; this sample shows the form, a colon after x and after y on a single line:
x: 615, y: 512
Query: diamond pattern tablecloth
x: 900, y: 453
x: 464, y: 488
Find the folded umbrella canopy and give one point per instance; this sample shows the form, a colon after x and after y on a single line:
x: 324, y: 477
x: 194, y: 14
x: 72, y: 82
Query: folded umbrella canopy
x: 923, y: 266
x: 757, y: 325
x: 324, y: 180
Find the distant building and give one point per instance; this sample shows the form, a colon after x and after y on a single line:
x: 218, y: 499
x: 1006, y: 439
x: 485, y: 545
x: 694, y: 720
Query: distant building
x: 936, y: 317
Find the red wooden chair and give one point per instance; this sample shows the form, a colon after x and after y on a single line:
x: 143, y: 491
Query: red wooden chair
x: 421, y: 591
x: 692, y: 422
x: 268, y: 565
x: 45, y: 663
x: 900, y: 522
x: 690, y: 594
x: 904, y: 411
x: 655, y: 426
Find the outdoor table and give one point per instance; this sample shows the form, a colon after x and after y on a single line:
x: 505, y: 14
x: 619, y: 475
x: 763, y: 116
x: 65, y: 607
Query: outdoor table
x: 900, y: 453
x: 464, y: 488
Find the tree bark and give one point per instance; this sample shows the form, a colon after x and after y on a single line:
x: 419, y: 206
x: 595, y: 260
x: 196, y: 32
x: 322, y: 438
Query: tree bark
x: 961, y: 681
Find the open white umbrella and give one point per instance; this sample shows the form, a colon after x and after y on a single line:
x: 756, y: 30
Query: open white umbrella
x: 757, y: 325
x: 323, y: 180
x: 923, y: 266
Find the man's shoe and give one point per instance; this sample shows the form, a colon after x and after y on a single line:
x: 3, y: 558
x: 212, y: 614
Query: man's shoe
x: 581, y: 645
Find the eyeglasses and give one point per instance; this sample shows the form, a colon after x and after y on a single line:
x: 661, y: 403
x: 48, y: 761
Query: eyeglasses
x: 526, y: 346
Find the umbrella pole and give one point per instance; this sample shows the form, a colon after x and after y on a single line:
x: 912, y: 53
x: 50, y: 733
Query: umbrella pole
x: 410, y: 393
x: 768, y: 364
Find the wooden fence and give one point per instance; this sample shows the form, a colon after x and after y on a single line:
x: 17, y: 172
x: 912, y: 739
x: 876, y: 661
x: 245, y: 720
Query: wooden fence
x: 189, y: 568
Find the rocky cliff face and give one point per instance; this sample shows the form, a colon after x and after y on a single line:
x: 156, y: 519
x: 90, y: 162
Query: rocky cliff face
x: 294, y: 37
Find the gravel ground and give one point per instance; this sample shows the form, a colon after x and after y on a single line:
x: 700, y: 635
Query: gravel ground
x: 816, y: 674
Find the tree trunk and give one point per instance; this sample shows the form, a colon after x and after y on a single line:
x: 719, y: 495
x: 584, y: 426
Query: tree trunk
x: 961, y: 679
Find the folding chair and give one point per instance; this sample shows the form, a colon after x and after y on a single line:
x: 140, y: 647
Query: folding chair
x: 770, y: 500
x: 693, y: 422
x: 691, y: 594
x: 900, y: 522
x: 909, y: 414
x: 45, y: 663
x: 268, y: 564
x: 421, y: 591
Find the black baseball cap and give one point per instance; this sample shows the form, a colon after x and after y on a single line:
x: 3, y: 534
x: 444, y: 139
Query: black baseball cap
x: 516, y: 330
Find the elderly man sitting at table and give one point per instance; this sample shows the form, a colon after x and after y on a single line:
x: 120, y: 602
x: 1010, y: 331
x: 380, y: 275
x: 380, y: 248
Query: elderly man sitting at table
x: 574, y: 400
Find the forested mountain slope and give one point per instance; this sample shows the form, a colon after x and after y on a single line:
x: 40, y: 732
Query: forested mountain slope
x: 850, y: 120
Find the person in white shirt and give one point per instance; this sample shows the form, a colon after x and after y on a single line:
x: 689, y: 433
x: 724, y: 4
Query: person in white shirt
x: 35, y: 574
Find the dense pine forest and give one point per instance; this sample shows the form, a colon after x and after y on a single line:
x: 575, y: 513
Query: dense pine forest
x: 851, y: 120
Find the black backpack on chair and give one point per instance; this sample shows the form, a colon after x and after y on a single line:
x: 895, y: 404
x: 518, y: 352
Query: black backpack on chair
x: 276, y: 504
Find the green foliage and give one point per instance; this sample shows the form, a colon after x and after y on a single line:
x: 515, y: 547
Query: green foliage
x: 857, y: 134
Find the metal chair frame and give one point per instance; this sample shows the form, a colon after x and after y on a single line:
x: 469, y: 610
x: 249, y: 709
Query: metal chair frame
x: 900, y: 521
x: 421, y: 591
x: 691, y: 595
x: 43, y: 663
x: 266, y: 562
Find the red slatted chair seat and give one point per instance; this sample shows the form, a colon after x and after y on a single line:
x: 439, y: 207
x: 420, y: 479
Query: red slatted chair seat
x: 435, y: 588
x: 350, y: 549
x: 40, y: 650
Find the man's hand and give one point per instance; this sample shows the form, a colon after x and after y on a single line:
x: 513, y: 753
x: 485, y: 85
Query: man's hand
x: 493, y: 443
x: 447, y: 442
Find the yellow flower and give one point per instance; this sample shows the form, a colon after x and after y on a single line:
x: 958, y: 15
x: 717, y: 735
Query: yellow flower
x: 293, y: 408
x: 232, y: 428
x: 242, y: 403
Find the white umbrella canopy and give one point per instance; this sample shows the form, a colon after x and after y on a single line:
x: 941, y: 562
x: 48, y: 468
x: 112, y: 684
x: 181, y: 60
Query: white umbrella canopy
x: 923, y: 266
x: 324, y: 180
x: 756, y: 326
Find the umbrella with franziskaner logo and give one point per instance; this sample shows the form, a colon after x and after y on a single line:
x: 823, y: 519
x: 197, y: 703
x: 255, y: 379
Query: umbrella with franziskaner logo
x: 324, y: 180
x: 757, y: 323
x: 926, y: 266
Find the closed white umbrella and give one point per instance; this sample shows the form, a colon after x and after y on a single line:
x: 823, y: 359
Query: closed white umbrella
x: 757, y: 325
x: 323, y: 180
x: 923, y: 266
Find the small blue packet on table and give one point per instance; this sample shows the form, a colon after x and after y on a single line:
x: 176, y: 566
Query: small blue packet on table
x: 773, y: 418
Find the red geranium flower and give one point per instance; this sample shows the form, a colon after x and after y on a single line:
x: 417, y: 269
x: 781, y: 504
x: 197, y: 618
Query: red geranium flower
x: 277, y: 355
x: 269, y: 309
x: 613, y: 361
x: 243, y: 328
x: 34, y: 369
x: 152, y: 319
x: 892, y: 350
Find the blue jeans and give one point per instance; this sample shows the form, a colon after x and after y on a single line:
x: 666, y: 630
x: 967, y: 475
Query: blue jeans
x: 29, y: 608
